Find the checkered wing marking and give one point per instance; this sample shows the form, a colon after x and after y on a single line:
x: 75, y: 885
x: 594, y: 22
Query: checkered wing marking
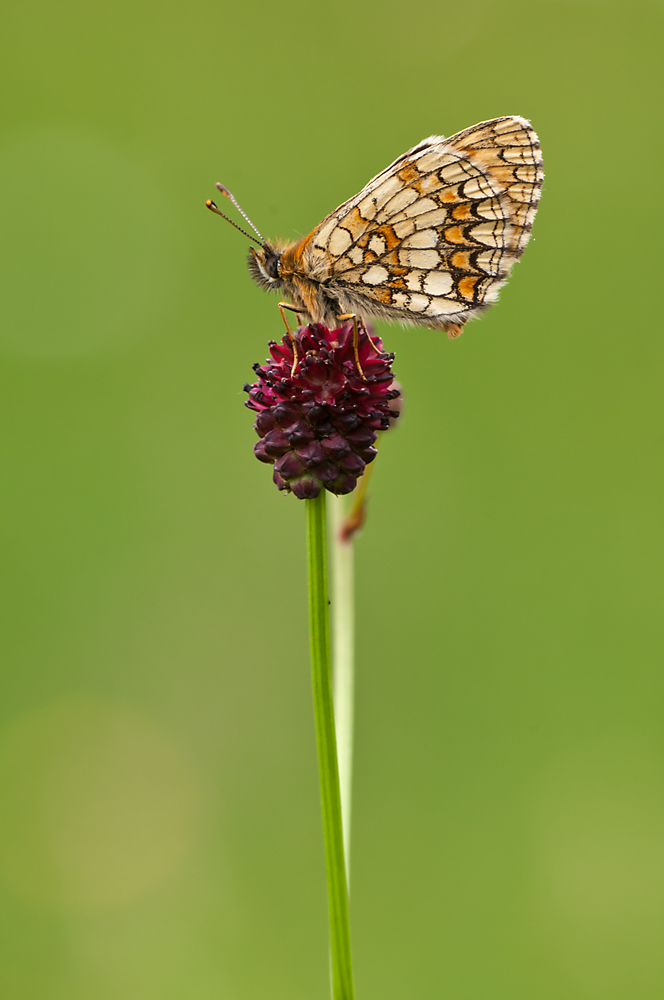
x: 433, y: 237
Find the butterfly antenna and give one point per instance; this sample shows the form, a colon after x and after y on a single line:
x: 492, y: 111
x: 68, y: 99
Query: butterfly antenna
x: 225, y: 191
x: 213, y: 208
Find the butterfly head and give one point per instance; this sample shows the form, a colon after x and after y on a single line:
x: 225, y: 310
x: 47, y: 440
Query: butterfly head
x: 264, y: 266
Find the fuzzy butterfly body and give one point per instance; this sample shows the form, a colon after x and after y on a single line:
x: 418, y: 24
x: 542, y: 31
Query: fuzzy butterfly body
x: 430, y: 240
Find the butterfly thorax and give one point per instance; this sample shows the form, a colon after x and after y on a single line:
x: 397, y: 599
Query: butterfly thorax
x: 290, y: 268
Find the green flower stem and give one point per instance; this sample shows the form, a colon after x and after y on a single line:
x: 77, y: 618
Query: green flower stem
x: 337, y: 888
x: 343, y: 658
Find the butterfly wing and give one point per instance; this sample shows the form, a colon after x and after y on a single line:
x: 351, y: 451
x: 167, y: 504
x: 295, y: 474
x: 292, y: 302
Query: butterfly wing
x: 432, y: 238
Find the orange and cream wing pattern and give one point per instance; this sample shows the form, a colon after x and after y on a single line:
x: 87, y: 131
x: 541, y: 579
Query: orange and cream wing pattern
x: 433, y: 237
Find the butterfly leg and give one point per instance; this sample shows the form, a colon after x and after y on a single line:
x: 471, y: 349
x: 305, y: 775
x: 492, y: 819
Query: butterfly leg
x: 287, y: 305
x: 364, y: 330
x: 356, y: 339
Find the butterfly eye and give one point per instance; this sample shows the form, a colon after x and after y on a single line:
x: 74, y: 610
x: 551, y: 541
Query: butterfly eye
x: 272, y: 266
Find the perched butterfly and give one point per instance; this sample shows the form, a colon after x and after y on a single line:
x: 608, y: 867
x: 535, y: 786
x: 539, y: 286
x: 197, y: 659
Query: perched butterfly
x: 430, y: 240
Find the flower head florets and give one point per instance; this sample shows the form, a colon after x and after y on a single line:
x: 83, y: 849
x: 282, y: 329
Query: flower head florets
x: 318, y: 419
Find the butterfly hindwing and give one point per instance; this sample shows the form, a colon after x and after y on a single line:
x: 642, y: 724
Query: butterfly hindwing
x: 433, y: 237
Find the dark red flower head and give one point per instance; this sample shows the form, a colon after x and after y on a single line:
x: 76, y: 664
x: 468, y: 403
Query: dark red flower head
x: 318, y: 422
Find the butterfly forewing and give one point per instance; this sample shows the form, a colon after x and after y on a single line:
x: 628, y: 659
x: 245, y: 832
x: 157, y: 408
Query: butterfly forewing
x: 433, y: 237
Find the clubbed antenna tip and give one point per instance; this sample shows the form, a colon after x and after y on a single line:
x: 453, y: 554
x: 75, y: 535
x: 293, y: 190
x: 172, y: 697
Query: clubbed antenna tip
x: 213, y: 208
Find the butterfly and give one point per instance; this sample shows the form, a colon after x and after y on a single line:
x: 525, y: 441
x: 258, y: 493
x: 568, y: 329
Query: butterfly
x: 429, y: 241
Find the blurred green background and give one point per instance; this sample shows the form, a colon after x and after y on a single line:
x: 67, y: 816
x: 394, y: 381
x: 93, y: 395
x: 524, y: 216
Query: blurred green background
x: 160, y: 835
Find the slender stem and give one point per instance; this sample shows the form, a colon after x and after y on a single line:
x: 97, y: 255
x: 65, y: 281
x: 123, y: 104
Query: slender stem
x: 337, y: 888
x: 343, y: 659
